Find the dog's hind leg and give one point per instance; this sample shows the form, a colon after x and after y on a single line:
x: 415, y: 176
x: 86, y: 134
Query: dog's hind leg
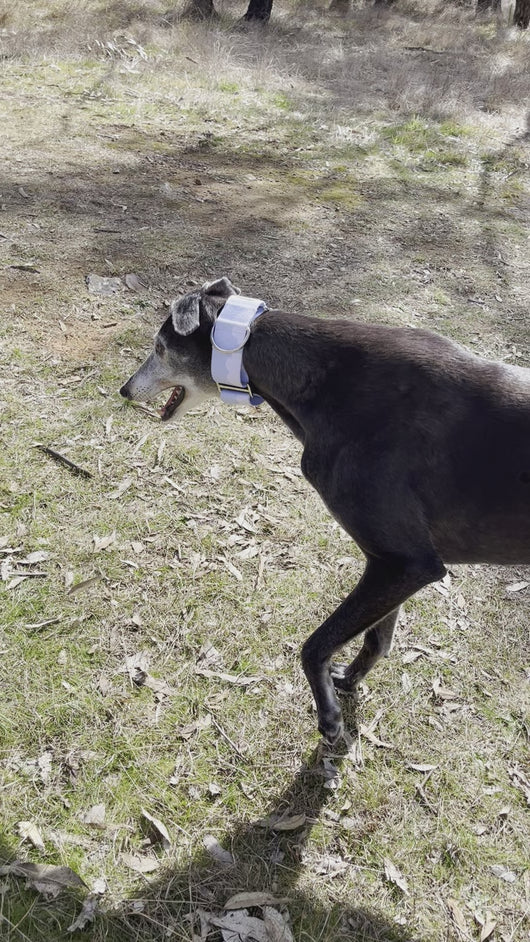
x: 378, y: 642
x: 385, y: 584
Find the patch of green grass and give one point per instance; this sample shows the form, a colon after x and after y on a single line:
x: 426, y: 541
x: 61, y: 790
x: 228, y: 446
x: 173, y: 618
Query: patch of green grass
x: 282, y: 101
x: 416, y: 135
x: 231, y: 88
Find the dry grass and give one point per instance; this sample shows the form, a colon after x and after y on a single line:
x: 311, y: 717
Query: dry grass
x: 375, y: 167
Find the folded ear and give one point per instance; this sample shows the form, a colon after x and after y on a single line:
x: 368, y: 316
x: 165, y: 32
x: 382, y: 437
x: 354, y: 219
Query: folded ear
x: 222, y: 288
x: 185, y: 314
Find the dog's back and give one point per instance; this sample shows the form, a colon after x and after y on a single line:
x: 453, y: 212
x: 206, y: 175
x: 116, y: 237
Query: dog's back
x: 417, y: 413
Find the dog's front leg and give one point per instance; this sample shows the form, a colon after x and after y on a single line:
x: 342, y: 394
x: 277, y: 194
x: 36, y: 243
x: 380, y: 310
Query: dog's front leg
x: 385, y: 584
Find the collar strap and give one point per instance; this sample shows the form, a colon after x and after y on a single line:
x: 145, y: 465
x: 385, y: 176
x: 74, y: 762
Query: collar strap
x: 229, y: 336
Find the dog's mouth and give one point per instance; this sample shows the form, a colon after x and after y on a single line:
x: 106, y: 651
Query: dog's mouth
x: 174, y: 401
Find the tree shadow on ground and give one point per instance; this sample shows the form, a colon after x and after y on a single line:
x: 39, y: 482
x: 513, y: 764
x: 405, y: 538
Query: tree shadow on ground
x: 173, y: 209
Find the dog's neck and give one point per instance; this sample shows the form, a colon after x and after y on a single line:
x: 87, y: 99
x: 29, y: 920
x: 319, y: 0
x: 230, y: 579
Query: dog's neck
x: 283, y: 359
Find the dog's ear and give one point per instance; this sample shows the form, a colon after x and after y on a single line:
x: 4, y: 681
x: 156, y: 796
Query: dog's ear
x: 185, y: 314
x: 222, y: 288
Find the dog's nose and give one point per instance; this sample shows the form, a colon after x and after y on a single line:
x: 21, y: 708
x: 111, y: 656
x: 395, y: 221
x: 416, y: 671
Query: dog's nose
x: 124, y: 391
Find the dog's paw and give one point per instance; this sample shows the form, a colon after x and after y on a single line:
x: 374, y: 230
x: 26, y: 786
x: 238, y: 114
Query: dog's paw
x: 331, y: 727
x: 342, y: 680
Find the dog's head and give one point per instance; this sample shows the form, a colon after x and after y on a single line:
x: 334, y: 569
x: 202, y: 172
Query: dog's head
x: 181, y: 357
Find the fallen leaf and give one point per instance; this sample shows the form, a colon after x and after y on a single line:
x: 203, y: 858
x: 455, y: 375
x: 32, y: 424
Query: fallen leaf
x: 160, y: 688
x: 247, y: 900
x: 13, y: 583
x: 88, y: 914
x: 44, y: 878
x: 216, y: 472
x: 30, y: 832
x: 393, y: 875
x: 97, y: 284
x: 187, y: 731
x: 410, y: 656
x: 120, y: 490
x: 238, y: 926
x: 140, y: 863
x: 519, y: 780
x: 331, y: 775
x: 458, y: 917
x: 239, y: 679
x: 330, y: 865
x: 99, y: 886
x: 487, y: 928
x: 158, y: 830
x: 95, y: 816
x: 283, y: 822
x: 134, y: 283
x: 208, y: 655
x: 44, y: 763
x: 502, y: 872
x: 39, y: 556
x: 231, y: 568
x: 245, y: 523
x: 136, y: 666
x: 517, y: 586
x: 371, y: 737
x: 36, y: 626
x: 104, y: 685
x: 443, y: 693
x: 215, y: 850
x: 103, y: 542
x: 276, y: 926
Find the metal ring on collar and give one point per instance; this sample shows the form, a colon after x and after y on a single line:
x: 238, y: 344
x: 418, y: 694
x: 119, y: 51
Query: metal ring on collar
x: 234, y: 349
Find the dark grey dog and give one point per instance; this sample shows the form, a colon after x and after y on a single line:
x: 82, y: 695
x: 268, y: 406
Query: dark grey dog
x: 419, y: 449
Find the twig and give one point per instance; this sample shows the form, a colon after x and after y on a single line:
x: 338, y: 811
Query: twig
x: 435, y: 52
x: 229, y: 741
x: 38, y: 626
x: 141, y: 408
x: 65, y: 461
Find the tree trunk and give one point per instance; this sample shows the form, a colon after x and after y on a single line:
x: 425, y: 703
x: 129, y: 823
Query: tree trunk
x: 258, y: 11
x: 200, y: 10
x: 340, y: 6
x: 484, y: 6
x: 521, y: 16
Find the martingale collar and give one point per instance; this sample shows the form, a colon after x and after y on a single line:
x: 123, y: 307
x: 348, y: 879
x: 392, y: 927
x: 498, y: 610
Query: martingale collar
x: 229, y: 336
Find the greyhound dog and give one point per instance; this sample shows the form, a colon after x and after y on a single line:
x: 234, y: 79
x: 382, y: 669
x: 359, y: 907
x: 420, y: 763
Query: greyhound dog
x: 420, y: 450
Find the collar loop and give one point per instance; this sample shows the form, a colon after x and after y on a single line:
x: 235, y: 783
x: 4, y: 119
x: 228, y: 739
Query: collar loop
x: 229, y: 336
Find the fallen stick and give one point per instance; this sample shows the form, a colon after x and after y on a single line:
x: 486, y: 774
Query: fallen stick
x: 65, y: 461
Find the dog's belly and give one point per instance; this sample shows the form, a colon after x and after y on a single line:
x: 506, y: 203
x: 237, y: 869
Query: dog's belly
x: 496, y: 546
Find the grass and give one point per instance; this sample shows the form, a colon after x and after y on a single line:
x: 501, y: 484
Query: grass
x: 329, y: 166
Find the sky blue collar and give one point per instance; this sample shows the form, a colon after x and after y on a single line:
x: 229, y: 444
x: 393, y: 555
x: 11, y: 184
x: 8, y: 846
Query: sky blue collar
x: 229, y: 336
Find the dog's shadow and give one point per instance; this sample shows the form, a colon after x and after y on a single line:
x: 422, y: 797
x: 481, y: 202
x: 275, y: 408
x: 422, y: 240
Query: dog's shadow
x: 258, y: 856
x: 264, y: 859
